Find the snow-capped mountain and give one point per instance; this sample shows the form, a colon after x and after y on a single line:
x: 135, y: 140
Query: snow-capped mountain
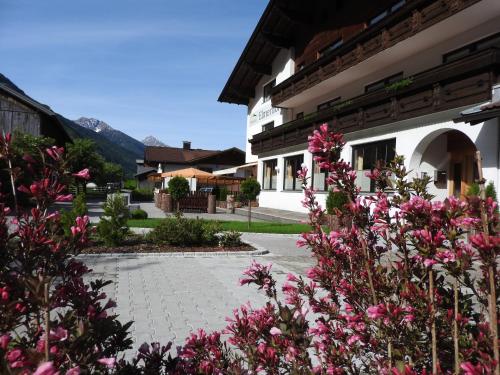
x: 93, y: 124
x: 153, y: 141
x: 135, y: 148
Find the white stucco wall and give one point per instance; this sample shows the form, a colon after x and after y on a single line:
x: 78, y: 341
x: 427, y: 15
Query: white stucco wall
x: 418, y: 138
x: 260, y: 112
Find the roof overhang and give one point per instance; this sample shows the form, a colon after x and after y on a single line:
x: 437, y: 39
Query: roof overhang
x: 273, y: 32
x: 480, y: 113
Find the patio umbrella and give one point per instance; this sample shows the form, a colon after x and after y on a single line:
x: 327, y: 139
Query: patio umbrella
x: 188, y: 173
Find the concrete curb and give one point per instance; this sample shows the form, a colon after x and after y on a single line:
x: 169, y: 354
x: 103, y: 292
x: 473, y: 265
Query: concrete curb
x: 198, y: 254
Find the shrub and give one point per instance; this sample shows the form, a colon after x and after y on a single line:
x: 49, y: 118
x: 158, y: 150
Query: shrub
x: 142, y: 195
x: 178, y: 188
x: 130, y: 185
x: 489, y: 190
x: 335, y: 201
x: 180, y: 231
x: 230, y: 239
x: 112, y: 227
x: 52, y: 319
x: 79, y: 208
x: 138, y: 214
x: 222, y: 193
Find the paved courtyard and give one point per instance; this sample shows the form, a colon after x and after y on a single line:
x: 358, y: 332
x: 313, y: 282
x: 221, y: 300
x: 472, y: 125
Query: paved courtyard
x: 168, y: 297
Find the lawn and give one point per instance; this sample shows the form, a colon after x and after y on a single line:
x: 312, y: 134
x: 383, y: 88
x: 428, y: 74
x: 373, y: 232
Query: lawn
x: 240, y: 226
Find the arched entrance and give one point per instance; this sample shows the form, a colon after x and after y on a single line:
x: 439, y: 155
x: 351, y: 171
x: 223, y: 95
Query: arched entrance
x: 447, y: 156
x: 462, y: 167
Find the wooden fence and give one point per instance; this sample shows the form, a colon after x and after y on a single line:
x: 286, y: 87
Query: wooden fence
x: 194, y: 202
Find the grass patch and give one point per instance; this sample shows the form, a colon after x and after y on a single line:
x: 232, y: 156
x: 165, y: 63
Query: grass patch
x: 239, y: 226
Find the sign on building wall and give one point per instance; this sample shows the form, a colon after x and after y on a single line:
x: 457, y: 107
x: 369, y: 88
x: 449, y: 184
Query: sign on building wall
x: 266, y: 114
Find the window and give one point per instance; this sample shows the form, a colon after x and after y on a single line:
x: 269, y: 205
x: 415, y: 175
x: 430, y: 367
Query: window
x: 299, y: 116
x: 333, y: 46
x: 319, y: 178
x: 383, y: 82
x: 488, y: 42
x: 394, y: 8
x: 268, y: 126
x: 292, y: 165
x: 267, y: 90
x: 269, y: 177
x: 378, y: 18
x: 328, y: 104
x: 366, y: 157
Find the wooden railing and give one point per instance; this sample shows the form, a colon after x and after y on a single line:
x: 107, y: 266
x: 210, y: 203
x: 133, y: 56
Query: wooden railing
x: 452, y: 85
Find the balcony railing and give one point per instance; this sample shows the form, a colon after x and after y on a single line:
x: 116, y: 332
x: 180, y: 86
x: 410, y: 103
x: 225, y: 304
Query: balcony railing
x: 416, y: 16
x: 452, y: 85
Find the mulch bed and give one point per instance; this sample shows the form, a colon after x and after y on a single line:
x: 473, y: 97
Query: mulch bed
x: 137, y: 246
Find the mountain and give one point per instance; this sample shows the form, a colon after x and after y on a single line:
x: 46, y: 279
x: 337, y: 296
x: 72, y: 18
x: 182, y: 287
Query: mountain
x: 135, y: 147
x: 112, y: 152
x: 113, y: 145
x: 153, y: 141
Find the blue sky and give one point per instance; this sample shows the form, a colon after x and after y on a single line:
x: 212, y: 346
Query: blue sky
x: 146, y: 67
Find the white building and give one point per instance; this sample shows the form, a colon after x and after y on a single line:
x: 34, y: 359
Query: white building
x: 407, y: 77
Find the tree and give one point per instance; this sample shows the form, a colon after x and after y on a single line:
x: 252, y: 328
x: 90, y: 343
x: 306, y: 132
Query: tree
x: 250, y: 189
x: 179, y: 188
x: 82, y: 154
x: 111, y: 172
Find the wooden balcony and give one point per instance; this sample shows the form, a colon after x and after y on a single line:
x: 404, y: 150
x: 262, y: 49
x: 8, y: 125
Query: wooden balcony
x: 413, y: 18
x: 459, y: 83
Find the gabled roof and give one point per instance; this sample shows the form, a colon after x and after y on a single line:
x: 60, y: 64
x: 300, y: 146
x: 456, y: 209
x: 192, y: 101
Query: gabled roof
x: 273, y: 32
x: 23, y: 98
x: 177, y: 155
x: 8, y: 87
x: 174, y: 154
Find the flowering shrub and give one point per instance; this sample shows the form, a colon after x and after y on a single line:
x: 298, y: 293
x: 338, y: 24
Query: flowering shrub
x: 50, y: 320
x: 409, y: 287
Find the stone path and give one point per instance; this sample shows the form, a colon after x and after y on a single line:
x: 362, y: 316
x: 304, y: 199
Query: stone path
x: 168, y: 297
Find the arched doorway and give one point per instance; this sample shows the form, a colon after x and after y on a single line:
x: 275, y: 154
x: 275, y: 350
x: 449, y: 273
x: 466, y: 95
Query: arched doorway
x: 447, y: 156
x: 462, y: 166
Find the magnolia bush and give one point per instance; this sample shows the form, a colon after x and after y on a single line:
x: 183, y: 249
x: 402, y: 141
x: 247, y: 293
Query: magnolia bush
x: 410, y: 286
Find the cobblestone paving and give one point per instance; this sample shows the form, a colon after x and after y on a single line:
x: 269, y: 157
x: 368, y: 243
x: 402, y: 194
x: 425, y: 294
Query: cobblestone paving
x: 168, y: 297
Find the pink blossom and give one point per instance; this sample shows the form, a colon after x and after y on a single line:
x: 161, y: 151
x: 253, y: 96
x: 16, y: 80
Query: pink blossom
x: 375, y: 312
x: 83, y: 174
x: 108, y: 362
x: 46, y: 368
x: 275, y: 331
x: 73, y: 371
x: 64, y: 198
x: 429, y: 262
x: 4, y: 341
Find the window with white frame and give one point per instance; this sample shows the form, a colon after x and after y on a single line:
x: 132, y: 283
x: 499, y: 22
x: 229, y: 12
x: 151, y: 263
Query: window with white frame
x: 269, y: 174
x: 367, y: 156
x: 292, y: 166
x: 319, y: 177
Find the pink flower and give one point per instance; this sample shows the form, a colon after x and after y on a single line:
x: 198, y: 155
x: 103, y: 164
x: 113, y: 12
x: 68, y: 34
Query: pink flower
x: 4, y: 341
x: 83, y: 174
x: 108, y: 362
x: 275, y: 331
x: 14, y: 355
x: 429, y: 262
x: 64, y: 198
x: 375, y: 312
x: 46, y: 368
x: 470, y: 369
x: 73, y: 371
